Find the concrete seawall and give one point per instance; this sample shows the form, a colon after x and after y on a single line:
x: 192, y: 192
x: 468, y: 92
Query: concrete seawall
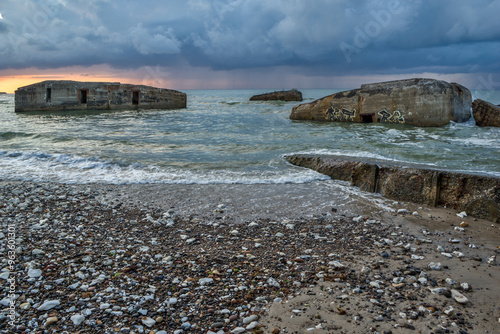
x: 478, y: 195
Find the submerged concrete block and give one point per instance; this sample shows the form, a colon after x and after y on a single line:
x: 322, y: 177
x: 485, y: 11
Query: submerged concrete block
x: 421, y: 102
x: 289, y: 95
x: 485, y: 113
x: 76, y: 95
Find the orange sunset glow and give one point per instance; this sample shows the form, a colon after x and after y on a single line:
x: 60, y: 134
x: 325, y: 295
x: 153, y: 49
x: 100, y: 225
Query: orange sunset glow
x: 10, y: 80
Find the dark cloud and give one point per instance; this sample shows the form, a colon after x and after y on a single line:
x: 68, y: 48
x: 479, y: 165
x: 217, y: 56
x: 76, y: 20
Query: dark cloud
x: 3, y: 26
x: 321, y: 36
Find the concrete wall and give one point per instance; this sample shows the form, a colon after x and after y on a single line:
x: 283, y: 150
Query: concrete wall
x: 75, y: 95
x: 421, y: 102
x: 478, y: 195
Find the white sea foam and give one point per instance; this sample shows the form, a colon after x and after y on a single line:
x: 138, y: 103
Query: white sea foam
x: 345, y: 153
x: 40, y: 167
x: 493, y: 143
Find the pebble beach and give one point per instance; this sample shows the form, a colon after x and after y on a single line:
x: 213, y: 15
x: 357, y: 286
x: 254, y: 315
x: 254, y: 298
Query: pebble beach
x: 239, y: 259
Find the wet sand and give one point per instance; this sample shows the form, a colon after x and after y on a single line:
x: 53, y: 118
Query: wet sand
x: 293, y: 258
x: 245, y: 202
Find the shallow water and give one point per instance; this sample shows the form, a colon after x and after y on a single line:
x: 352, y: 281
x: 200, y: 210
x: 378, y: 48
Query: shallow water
x: 220, y: 138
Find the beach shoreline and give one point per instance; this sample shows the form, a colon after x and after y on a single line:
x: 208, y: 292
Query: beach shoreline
x: 229, y: 258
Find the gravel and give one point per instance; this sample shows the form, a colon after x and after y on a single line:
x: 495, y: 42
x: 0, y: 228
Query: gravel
x: 88, y: 266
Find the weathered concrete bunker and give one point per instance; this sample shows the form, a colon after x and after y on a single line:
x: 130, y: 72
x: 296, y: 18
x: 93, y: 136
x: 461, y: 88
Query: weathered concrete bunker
x: 420, y: 102
x: 76, y: 95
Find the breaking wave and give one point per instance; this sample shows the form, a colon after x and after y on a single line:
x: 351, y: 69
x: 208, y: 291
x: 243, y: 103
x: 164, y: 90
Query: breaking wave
x: 64, y: 168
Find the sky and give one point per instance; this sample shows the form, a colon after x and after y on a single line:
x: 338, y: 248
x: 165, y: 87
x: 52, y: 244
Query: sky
x: 261, y: 44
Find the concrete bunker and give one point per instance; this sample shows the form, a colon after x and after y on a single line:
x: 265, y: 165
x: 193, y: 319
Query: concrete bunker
x: 418, y: 101
x: 56, y: 95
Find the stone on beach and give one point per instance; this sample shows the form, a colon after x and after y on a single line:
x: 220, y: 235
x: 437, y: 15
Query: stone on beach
x: 51, y: 320
x: 250, y: 319
x: 77, y: 319
x: 147, y: 321
x: 34, y: 273
x: 485, y: 208
x: 48, y: 305
x: 435, y: 266
x: 459, y: 297
x: 38, y: 252
x: 142, y: 277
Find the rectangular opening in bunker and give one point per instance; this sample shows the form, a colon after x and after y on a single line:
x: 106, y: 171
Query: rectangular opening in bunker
x: 367, y: 118
x: 83, y: 96
x: 135, y: 97
x: 48, y: 95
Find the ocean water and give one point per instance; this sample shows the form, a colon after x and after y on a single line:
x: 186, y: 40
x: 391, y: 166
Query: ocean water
x: 220, y: 138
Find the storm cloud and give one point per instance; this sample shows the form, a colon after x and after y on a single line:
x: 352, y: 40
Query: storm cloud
x: 319, y: 37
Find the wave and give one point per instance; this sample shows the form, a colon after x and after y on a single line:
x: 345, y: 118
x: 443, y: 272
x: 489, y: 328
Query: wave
x: 72, y: 169
x: 230, y: 103
x: 11, y: 135
x: 352, y: 154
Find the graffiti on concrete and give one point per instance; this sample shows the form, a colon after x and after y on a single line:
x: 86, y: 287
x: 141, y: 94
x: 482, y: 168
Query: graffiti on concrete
x: 394, y: 117
x: 340, y: 115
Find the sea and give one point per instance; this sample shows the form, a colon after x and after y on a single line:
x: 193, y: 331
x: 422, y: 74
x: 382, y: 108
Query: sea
x: 222, y: 138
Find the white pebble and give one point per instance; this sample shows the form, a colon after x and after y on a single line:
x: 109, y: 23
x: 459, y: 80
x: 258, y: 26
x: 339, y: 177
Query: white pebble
x: 272, y: 282
x: 205, y: 281
x: 435, y: 266
x: 77, y: 319
x: 252, y: 325
x: 358, y: 219
x: 48, y: 305
x: 34, y: 273
x: 37, y: 252
x: 449, y: 310
x: 459, y: 297
x: 250, y: 319
x: 336, y: 264
x: 147, y: 321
